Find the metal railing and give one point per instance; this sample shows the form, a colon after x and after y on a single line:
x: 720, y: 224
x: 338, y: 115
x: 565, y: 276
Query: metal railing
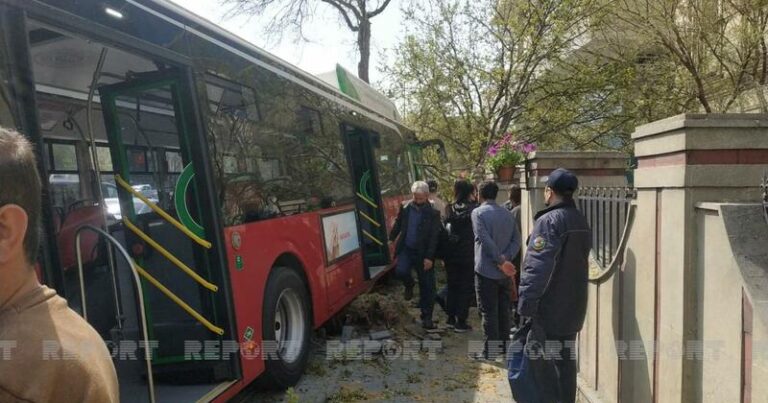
x: 764, y: 191
x: 608, y: 211
x: 137, y: 290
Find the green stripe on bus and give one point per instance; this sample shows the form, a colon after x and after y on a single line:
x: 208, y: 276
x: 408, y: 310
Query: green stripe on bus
x: 180, y: 200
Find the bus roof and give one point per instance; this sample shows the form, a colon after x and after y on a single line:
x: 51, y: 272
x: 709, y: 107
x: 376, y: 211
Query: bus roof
x: 372, y: 103
x: 361, y: 91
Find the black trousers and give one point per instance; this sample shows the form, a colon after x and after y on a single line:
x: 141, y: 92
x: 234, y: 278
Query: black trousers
x: 493, y: 302
x: 460, y: 276
x: 565, y: 362
x: 409, y: 260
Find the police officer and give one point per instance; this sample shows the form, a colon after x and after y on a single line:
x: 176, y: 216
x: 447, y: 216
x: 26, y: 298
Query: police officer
x: 553, y: 283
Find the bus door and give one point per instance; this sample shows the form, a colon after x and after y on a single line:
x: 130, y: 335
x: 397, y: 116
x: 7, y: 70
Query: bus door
x: 360, y: 146
x: 160, y: 221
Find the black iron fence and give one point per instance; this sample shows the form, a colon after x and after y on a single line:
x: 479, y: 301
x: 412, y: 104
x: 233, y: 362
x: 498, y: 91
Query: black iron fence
x: 764, y: 188
x: 606, y: 210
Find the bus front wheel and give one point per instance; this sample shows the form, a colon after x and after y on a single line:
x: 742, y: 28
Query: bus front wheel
x: 286, y: 328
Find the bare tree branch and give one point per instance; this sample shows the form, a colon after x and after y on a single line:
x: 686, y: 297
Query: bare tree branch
x: 379, y: 10
x: 351, y: 25
x: 294, y: 14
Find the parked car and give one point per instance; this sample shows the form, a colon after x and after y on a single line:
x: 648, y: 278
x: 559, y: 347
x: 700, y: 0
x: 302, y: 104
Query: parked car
x: 112, y: 202
x: 147, y: 190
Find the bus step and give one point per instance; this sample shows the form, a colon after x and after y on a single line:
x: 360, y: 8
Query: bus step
x: 374, y: 271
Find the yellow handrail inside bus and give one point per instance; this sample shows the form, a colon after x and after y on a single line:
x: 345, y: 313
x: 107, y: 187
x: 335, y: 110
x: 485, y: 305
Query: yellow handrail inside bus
x: 183, y: 305
x: 369, y: 219
x: 365, y: 199
x: 169, y: 256
x: 373, y: 238
x: 125, y: 185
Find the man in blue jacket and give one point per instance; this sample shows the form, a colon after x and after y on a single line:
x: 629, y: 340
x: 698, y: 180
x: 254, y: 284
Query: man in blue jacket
x: 497, y: 243
x: 418, y: 226
x: 553, y: 281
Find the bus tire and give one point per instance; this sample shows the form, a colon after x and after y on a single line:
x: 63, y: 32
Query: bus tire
x: 286, y: 328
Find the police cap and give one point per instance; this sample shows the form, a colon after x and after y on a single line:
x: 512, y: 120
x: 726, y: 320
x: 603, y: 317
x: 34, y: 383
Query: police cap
x: 562, y: 180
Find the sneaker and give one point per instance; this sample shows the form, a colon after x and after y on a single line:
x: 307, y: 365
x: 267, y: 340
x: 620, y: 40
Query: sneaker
x: 451, y: 322
x: 462, y: 327
x: 408, y: 293
x: 478, y: 356
x: 429, y: 326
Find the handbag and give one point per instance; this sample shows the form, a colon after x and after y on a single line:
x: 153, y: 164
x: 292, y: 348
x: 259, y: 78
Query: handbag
x: 532, y: 373
x: 519, y: 372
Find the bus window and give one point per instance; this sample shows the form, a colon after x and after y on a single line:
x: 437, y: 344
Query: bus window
x: 174, y: 162
x: 63, y: 157
x: 108, y: 190
x: 273, y: 155
x: 104, y: 159
x: 391, y: 163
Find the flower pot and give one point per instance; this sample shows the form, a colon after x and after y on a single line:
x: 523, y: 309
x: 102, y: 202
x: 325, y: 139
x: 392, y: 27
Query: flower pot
x: 505, y: 174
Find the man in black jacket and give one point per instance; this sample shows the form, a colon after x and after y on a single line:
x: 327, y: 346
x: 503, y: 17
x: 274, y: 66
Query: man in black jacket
x: 418, y: 225
x: 553, y: 283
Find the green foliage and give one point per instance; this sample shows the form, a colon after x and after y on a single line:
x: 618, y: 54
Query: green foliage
x: 466, y: 67
x: 576, y: 74
x: 647, y: 63
x: 504, y: 158
x: 291, y: 396
x: 718, y: 48
x: 348, y: 393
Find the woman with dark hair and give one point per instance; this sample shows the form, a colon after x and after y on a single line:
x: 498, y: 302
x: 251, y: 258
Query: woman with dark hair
x: 460, y: 262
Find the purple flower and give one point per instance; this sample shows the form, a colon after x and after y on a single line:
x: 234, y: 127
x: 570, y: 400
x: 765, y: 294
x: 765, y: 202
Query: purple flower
x: 493, y: 150
x: 529, y: 147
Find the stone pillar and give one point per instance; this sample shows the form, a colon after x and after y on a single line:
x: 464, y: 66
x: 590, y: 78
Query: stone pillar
x: 682, y: 160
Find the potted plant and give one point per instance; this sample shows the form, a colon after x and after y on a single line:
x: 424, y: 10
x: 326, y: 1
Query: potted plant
x: 504, y: 155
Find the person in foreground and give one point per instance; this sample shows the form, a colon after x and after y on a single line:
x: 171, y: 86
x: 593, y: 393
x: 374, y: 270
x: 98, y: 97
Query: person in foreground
x: 48, y: 353
x: 553, y: 282
x: 418, y: 226
x: 497, y: 242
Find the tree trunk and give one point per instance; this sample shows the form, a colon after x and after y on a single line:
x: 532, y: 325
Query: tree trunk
x: 364, y: 44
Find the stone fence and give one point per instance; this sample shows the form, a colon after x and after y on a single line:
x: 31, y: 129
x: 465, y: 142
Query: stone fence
x: 684, y: 315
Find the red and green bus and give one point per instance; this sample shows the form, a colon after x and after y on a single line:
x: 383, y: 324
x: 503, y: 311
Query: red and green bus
x: 200, y: 195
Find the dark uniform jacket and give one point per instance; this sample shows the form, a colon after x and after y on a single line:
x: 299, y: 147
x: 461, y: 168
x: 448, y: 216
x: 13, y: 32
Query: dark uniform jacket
x: 428, y: 230
x: 553, y: 282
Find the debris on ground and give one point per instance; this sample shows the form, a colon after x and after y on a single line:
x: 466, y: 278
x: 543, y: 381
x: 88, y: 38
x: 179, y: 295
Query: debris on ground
x: 381, y: 335
x: 377, y: 309
x: 348, y: 393
x: 375, y: 363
